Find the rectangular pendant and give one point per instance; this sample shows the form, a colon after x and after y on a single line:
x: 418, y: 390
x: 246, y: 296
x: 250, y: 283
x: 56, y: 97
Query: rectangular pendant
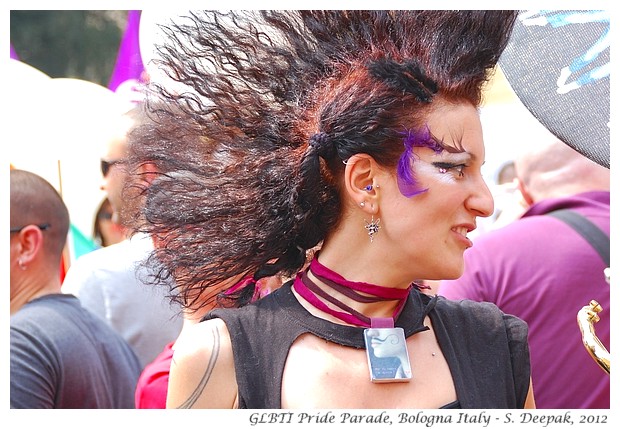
x: 388, y: 358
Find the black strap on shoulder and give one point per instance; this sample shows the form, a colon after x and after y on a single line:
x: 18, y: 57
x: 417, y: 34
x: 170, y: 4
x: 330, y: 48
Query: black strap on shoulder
x: 595, y: 236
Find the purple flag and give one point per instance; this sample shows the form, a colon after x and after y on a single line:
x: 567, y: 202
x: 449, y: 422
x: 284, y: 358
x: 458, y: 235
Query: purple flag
x: 128, y: 61
x: 13, y: 53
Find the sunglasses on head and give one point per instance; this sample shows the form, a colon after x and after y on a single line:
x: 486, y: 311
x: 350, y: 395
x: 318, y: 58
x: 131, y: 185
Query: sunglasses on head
x: 106, y: 165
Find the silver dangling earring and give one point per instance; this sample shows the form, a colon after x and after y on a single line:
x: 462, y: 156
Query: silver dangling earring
x: 372, y: 227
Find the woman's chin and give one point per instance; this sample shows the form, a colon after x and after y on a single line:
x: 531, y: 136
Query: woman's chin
x: 454, y: 273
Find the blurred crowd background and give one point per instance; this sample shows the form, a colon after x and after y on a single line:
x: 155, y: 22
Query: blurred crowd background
x: 81, y: 66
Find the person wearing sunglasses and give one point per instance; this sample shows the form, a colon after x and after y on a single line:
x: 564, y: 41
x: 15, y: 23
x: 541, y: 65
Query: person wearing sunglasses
x: 105, y: 231
x: 113, y: 172
x: 61, y: 355
x: 112, y: 281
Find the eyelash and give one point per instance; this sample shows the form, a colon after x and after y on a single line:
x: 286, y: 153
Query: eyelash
x: 450, y: 166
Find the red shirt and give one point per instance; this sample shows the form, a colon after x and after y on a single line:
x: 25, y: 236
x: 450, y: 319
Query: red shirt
x: 152, y: 387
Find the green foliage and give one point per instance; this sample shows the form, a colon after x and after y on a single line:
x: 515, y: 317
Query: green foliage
x: 80, y: 44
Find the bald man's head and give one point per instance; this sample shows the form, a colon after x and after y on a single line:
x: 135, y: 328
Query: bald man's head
x: 34, y: 201
x: 553, y: 169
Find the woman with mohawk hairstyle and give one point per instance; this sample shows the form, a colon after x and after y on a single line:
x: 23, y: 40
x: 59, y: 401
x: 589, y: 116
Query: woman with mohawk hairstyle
x: 354, y: 132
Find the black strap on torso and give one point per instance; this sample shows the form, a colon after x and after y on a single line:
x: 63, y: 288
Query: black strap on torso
x: 592, y: 233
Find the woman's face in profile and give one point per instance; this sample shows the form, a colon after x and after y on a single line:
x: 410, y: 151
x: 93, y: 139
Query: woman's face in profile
x: 429, y: 230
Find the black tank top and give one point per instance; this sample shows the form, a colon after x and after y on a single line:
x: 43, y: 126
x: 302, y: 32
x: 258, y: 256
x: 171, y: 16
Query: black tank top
x: 486, y: 350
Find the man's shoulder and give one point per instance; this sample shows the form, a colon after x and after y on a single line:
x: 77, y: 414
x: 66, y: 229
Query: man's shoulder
x: 518, y: 232
x: 127, y: 255
x: 45, y: 311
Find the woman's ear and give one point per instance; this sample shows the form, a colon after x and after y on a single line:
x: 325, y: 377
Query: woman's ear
x: 359, y: 180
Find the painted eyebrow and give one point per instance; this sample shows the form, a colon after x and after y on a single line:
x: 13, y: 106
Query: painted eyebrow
x: 452, y: 149
x: 457, y: 150
x: 457, y: 147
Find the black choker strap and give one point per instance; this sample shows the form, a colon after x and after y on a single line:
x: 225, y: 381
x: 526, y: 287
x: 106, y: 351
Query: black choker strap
x: 370, y: 293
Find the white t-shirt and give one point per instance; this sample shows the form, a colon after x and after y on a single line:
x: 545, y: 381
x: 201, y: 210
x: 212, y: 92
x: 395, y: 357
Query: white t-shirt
x: 112, y: 283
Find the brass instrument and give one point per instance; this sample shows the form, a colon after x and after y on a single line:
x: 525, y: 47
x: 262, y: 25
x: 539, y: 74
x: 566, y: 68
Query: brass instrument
x: 586, y: 318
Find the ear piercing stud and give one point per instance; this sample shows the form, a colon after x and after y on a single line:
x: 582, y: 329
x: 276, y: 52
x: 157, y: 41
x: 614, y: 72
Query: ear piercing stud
x: 369, y: 188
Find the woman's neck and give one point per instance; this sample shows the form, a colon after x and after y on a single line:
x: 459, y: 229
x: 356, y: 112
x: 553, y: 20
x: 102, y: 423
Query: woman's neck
x: 371, y: 309
x: 326, y: 294
x: 362, y: 262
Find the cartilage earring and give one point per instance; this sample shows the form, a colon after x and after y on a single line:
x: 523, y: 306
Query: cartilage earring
x: 368, y: 188
x: 372, y: 227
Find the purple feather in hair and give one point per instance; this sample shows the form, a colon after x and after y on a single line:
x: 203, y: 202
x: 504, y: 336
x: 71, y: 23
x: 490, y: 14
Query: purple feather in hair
x: 407, y: 183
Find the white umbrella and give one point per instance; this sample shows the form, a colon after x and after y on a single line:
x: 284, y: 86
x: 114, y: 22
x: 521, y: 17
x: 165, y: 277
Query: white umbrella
x: 58, y: 128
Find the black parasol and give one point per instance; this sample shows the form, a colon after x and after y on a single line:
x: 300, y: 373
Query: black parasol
x: 557, y: 62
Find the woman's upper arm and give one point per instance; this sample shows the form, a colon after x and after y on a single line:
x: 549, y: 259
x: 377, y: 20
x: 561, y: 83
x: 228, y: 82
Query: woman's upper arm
x: 202, y: 373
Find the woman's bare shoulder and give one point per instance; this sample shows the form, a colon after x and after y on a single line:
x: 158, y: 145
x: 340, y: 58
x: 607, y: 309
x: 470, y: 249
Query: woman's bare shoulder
x: 202, y: 374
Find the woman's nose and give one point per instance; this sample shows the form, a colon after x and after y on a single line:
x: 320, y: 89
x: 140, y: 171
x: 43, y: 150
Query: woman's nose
x: 481, y: 201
